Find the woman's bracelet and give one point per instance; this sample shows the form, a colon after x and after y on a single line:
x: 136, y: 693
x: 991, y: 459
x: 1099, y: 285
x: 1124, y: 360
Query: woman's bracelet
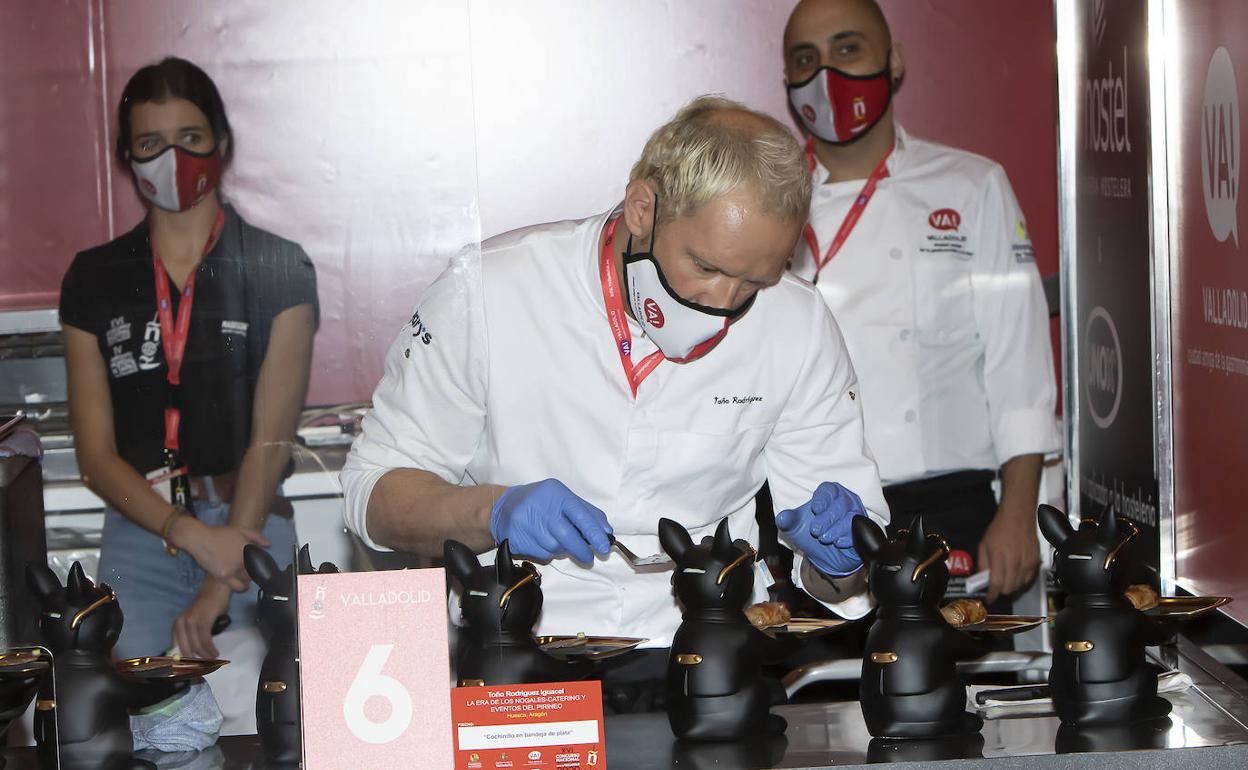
x: 173, y: 516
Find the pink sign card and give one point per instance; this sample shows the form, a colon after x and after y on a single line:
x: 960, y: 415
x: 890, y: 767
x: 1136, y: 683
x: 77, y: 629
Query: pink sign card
x: 374, y: 669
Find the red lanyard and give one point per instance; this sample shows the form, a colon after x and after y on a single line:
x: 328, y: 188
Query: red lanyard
x: 851, y: 217
x: 618, y: 319
x: 173, y: 337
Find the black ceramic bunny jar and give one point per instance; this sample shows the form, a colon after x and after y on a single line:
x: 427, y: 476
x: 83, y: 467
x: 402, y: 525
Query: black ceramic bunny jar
x: 715, y: 688
x: 277, y: 690
x: 910, y: 686
x: 17, y: 686
x: 501, y: 603
x: 1099, y: 674
x: 84, y: 707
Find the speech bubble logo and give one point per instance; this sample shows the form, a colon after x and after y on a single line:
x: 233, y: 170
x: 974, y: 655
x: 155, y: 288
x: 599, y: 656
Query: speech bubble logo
x: 1219, y: 147
x: 1102, y: 354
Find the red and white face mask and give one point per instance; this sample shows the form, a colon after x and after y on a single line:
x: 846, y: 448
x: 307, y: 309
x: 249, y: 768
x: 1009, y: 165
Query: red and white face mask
x: 175, y: 179
x: 838, y: 107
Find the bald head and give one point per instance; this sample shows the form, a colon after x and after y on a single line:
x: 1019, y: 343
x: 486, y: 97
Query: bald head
x: 850, y: 35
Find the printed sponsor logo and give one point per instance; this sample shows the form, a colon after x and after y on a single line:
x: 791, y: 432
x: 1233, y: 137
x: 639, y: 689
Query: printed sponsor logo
x: 1023, y: 252
x: 318, y: 604
x: 235, y: 327
x: 1107, y: 120
x: 150, y: 349
x: 945, y: 219
x: 808, y: 112
x: 946, y: 242
x: 122, y: 363
x: 147, y: 186
x: 118, y: 331
x: 1096, y: 22
x: 654, y: 314
x: 1219, y: 147
x: 959, y: 562
x: 1102, y: 370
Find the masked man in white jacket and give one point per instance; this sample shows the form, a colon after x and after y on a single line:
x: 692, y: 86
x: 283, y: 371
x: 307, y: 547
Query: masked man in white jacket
x: 922, y: 254
x: 579, y: 380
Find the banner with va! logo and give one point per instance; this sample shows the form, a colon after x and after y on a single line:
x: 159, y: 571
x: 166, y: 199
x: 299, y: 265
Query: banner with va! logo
x: 374, y: 670
x: 1209, y: 296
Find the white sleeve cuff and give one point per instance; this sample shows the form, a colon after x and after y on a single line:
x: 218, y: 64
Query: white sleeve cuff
x: 1025, y: 432
x: 357, y: 488
x: 851, y: 607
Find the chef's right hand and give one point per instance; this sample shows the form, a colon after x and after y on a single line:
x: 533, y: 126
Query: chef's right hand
x: 545, y: 520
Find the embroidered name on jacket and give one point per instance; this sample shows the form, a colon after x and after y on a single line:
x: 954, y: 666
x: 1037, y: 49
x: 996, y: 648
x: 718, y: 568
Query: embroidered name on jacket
x: 419, y: 332
x: 738, y: 400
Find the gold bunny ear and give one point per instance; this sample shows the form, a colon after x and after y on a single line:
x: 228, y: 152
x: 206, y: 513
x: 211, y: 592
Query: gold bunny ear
x: 1109, y: 559
x: 938, y: 555
x: 506, y: 597
x: 93, y: 606
x: 746, y: 556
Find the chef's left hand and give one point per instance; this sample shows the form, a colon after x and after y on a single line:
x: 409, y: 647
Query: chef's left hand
x: 821, y: 529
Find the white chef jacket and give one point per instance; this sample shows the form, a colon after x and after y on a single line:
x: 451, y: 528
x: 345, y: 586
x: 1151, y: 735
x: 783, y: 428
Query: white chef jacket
x: 938, y: 296
x: 508, y: 374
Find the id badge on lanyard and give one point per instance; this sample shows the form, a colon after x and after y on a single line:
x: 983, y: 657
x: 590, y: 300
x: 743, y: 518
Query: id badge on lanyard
x: 173, y: 482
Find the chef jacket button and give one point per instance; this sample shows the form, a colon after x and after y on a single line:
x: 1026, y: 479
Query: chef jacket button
x: 904, y: 335
x: 910, y: 415
x: 895, y: 253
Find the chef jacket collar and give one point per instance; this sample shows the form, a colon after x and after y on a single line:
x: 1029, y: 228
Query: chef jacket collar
x: 895, y: 161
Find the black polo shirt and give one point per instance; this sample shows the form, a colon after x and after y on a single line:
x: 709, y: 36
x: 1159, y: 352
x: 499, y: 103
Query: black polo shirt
x: 248, y: 278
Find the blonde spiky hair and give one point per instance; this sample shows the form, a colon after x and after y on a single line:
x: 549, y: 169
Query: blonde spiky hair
x: 714, y: 146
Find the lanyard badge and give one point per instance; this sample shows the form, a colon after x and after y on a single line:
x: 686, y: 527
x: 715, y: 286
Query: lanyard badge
x: 173, y: 338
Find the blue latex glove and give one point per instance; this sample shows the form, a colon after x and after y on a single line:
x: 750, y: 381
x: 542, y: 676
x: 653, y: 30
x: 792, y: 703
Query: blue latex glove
x: 821, y: 529
x: 545, y: 520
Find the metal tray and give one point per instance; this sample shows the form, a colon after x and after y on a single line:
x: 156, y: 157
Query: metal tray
x: 1186, y: 607
x: 806, y: 626
x: 168, y: 668
x: 1004, y: 624
x: 22, y: 663
x: 581, y: 647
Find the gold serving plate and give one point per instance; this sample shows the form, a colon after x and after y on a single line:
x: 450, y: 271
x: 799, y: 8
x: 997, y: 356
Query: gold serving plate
x: 22, y: 663
x: 168, y: 668
x: 582, y: 647
x: 806, y: 626
x: 1004, y: 624
x: 1186, y: 607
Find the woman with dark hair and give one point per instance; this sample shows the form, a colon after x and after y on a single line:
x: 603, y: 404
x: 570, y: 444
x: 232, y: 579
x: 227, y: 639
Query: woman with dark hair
x: 188, y: 342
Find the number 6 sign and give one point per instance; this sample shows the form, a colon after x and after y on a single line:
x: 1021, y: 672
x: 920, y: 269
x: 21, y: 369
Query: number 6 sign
x: 374, y: 669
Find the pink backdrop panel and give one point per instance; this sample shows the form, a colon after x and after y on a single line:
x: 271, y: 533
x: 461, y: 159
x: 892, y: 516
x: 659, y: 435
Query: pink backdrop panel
x: 52, y: 135
x: 384, y: 137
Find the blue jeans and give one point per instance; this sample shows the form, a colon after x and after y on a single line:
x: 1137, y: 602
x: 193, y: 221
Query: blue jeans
x: 153, y: 588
